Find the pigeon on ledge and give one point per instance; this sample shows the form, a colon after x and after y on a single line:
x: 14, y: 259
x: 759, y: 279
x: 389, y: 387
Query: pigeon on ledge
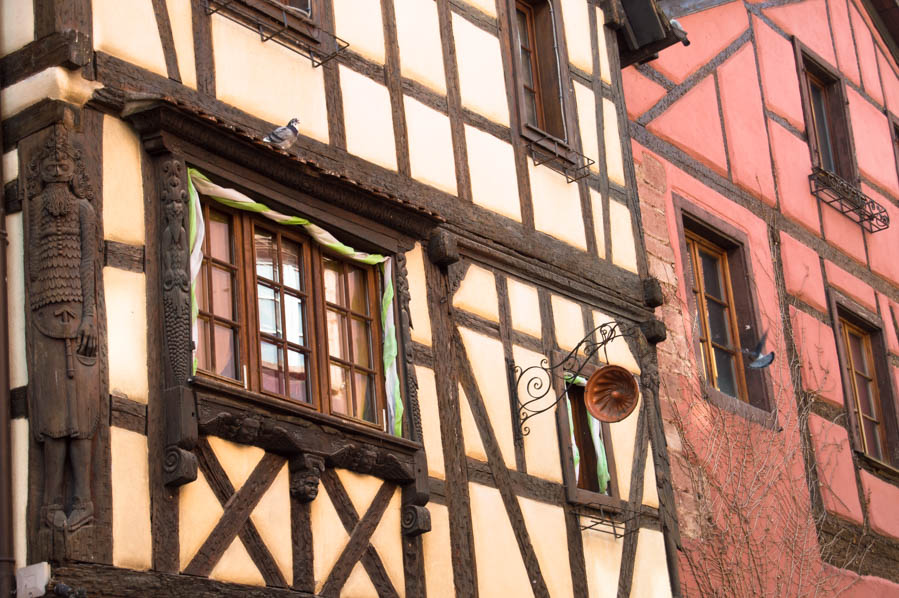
x: 284, y: 137
x: 760, y: 360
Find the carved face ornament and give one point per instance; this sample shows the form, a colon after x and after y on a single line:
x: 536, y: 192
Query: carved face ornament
x: 57, y: 167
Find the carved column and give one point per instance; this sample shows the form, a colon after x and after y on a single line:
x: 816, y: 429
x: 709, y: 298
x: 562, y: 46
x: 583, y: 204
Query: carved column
x: 180, y: 466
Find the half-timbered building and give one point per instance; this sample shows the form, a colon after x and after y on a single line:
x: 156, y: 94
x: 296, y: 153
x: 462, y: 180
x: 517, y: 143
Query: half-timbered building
x: 340, y: 357
x: 766, y: 156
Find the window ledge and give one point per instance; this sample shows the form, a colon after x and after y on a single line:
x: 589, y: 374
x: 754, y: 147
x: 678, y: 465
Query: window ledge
x: 876, y: 467
x: 840, y: 194
x: 282, y: 426
x: 756, y: 415
x: 556, y: 154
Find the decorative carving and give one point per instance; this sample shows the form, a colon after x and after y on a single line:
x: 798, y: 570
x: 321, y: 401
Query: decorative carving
x: 65, y: 391
x: 305, y: 473
x: 365, y: 459
x: 611, y: 394
x: 180, y: 466
x: 175, y: 269
x: 416, y: 520
x: 402, y: 288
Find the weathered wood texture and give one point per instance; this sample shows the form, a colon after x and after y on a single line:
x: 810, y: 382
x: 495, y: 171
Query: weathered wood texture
x: 69, y: 49
x: 123, y: 256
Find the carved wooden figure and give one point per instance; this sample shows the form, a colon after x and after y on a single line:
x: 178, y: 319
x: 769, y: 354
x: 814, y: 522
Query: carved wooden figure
x: 62, y: 271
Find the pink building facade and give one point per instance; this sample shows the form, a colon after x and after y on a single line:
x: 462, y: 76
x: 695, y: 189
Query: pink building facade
x: 766, y: 161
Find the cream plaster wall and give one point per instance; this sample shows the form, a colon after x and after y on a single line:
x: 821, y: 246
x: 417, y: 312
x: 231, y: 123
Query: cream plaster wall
x: 471, y: 435
x: 602, y: 554
x: 359, y: 23
x: 126, y: 305
x: 541, y: 445
x: 368, y: 119
x: 438, y: 555
x: 328, y: 536
x: 418, y: 291
x: 569, y: 321
x: 181, y: 18
x: 123, y: 189
x: 236, y: 566
x: 360, y: 488
x: 477, y: 293
x: 19, y: 441
x: 501, y: 571
x: 16, y: 24
x: 197, y: 504
x: 488, y: 363
x: 388, y: 542
x: 598, y: 224
x: 132, y: 542
x: 491, y: 166
x: 430, y: 146
x: 55, y: 83
x: 586, y: 116
x: 430, y: 420
x: 557, y: 206
x: 524, y: 304
x: 614, y: 158
x: 618, y: 351
x: 270, y: 517
x: 15, y: 289
x: 623, y: 436
x: 418, y: 35
x: 480, y: 66
x: 546, y: 527
x: 650, y: 568
x: 358, y: 584
x: 624, y: 250
x: 238, y: 460
x: 577, y: 34
x: 127, y: 29
x: 243, y: 78
x: 650, y: 490
x: 10, y: 166
x: 605, y: 69
x: 485, y: 6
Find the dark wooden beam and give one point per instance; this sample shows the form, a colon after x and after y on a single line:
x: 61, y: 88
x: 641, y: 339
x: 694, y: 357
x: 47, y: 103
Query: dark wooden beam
x: 69, y: 49
x: 167, y: 39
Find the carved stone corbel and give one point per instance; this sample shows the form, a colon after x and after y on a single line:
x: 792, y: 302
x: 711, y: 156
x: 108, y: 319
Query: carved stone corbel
x: 180, y: 466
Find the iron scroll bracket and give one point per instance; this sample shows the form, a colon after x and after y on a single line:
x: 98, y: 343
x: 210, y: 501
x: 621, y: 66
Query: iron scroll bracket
x: 538, y: 379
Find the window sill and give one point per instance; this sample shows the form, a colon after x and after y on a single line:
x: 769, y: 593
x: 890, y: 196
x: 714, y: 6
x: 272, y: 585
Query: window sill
x: 305, y: 429
x: 886, y: 472
x: 756, y: 415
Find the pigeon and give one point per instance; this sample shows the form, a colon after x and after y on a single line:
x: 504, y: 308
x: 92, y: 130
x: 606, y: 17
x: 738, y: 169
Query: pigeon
x: 284, y: 137
x: 760, y: 360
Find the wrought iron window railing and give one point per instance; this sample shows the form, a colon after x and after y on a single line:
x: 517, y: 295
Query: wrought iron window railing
x: 279, y: 23
x: 842, y: 195
x: 558, y: 156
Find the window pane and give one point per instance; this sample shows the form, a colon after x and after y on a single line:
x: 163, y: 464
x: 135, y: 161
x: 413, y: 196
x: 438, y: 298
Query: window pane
x: 530, y: 107
x: 523, y: 29
x: 295, y: 324
x: 225, y: 352
x: 527, y: 71
x: 872, y: 439
x: 711, y: 275
x: 361, y: 343
x: 336, y: 324
x: 865, y: 397
x: 339, y: 384
x: 220, y: 237
x: 222, y: 293
x: 358, y: 290
x: 333, y: 282
x: 724, y: 363
x: 291, y: 261
x: 272, y: 368
x: 365, y: 398
x: 856, y: 346
x: 203, y: 356
x: 719, y: 328
x: 822, y: 128
x: 266, y: 260
x: 269, y: 310
x: 201, y: 289
x: 296, y: 371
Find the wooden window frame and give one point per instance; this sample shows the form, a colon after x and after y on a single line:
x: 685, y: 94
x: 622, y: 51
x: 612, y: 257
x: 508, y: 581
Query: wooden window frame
x: 540, y: 135
x: 244, y: 225
x: 844, y: 309
x: 574, y: 493
x: 267, y: 11
x: 759, y: 406
x: 810, y: 67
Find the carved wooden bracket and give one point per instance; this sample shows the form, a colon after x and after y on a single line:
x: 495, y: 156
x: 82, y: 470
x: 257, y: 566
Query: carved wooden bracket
x: 654, y: 330
x: 416, y: 520
x: 305, y: 473
x: 443, y: 249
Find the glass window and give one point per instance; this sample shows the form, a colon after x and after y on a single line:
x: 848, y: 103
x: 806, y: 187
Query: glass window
x: 865, y: 400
